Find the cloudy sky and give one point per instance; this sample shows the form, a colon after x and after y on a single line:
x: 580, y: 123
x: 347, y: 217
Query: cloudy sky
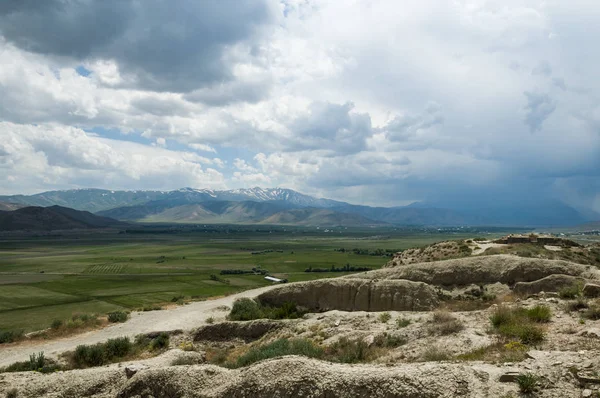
x: 369, y: 101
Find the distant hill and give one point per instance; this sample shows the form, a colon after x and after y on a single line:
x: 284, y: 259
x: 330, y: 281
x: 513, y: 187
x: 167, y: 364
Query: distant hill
x: 217, y: 212
x: 35, y: 218
x: 246, y: 212
x: 319, y: 217
x: 96, y: 200
x: 6, y: 206
x: 164, y: 206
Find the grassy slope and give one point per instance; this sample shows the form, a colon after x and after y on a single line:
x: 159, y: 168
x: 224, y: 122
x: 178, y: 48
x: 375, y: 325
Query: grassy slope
x: 42, y: 279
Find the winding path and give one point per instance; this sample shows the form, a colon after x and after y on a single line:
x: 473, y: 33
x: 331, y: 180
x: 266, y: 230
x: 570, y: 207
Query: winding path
x: 185, y: 317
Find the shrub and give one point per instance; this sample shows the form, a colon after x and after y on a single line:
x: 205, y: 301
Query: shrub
x: 402, y: 322
x: 56, y: 324
x: 117, y: 316
x: 520, y: 323
x: 389, y: 340
x: 444, y: 323
x: 10, y: 336
x: 182, y: 361
x: 210, y: 320
x: 576, y: 305
x: 384, y: 317
x: 177, y: 299
x: 286, y: 311
x: 348, y: 351
x: 117, y: 348
x: 159, y: 342
x: 245, y: 309
x: 539, y: 314
x: 501, y: 316
x: 36, y: 361
x: 527, y: 382
x: 570, y: 292
x: 593, y: 312
x: 187, y: 346
x: 434, y: 354
x: 279, y: 348
x: 88, y: 355
x: 151, y: 308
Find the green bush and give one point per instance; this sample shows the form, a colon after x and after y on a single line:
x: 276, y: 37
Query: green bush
x: 36, y: 361
x: 89, y: 355
x: 56, y: 324
x: 520, y: 323
x: 117, y: 316
x: 348, y: 351
x: 10, y: 336
x: 435, y: 354
x: 117, y: 348
x: 385, y: 317
x: 527, y: 382
x: 280, y: 348
x: 245, y: 309
x: 160, y: 342
x: 570, y: 292
x: 539, y: 314
x: 402, y: 322
x: 286, y: 311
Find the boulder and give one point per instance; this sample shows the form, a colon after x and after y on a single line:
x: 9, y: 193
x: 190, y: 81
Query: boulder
x: 591, y: 290
x: 131, y: 370
x: 550, y: 283
x: 355, y: 295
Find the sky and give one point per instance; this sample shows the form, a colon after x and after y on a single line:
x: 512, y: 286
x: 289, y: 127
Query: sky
x: 380, y: 102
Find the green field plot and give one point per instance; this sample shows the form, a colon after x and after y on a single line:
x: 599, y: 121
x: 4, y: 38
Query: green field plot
x: 44, y: 278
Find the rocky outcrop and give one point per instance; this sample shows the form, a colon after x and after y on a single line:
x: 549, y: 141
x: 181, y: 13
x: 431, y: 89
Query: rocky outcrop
x: 505, y: 269
x: 355, y: 295
x: 551, y: 283
x: 591, y: 290
x: 283, y: 378
x: 247, y: 331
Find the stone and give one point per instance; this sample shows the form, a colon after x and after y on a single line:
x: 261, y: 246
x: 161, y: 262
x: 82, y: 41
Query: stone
x: 550, y: 283
x: 131, y: 370
x: 337, y: 323
x: 591, y: 290
x: 587, y: 378
x: 509, y: 377
x: 586, y: 393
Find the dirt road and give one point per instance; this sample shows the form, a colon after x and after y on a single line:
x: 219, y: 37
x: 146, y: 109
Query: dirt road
x: 185, y: 317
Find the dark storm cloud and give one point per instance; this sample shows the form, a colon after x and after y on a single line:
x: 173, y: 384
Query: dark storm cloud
x: 331, y: 126
x: 403, y: 128
x: 539, y: 107
x: 166, y: 45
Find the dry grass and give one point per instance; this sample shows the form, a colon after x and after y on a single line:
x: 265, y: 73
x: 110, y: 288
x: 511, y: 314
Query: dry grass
x: 443, y: 323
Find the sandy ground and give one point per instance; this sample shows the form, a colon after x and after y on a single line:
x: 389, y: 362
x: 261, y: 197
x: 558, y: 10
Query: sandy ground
x: 483, y: 246
x: 185, y: 317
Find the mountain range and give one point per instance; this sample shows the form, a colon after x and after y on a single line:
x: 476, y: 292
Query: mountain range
x: 35, y: 218
x: 285, y: 206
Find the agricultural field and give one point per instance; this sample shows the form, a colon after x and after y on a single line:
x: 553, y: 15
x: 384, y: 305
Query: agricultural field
x: 45, y: 278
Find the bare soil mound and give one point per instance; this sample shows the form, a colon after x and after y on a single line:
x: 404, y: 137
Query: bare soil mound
x: 354, y: 295
x: 505, y: 269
